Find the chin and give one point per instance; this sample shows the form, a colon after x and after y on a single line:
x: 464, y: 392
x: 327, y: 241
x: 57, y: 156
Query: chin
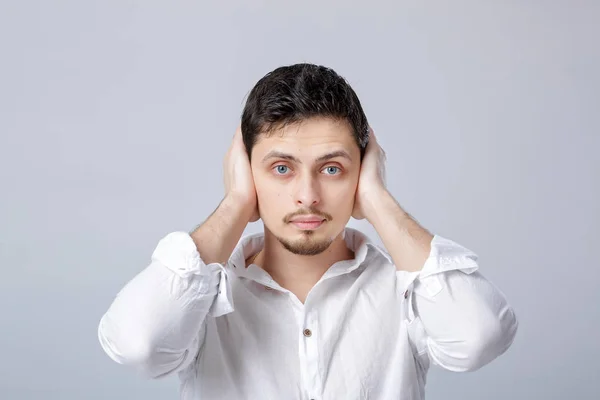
x: 307, y: 242
x: 306, y: 246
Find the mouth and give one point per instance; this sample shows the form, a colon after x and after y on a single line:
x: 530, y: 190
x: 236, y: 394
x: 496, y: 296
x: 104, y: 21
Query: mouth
x: 308, y: 224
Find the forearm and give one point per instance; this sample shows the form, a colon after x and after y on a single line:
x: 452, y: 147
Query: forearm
x: 407, y: 242
x: 216, y: 238
x: 468, y: 322
x: 456, y: 316
x: 154, y: 323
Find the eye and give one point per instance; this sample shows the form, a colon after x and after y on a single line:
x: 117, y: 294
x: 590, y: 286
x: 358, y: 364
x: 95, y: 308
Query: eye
x: 331, y: 170
x: 281, y: 169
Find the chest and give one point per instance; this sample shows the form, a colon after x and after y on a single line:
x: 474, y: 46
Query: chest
x: 347, y: 337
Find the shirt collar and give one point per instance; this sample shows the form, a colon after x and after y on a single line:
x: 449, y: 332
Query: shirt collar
x: 363, y: 247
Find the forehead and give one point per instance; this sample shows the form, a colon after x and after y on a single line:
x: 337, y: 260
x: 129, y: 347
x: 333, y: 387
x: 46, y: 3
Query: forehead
x: 311, y: 137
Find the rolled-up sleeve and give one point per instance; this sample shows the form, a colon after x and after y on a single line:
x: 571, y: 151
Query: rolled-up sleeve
x: 154, y: 323
x: 457, y: 318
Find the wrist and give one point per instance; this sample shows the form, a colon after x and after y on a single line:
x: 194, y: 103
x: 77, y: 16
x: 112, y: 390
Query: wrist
x: 239, y: 205
x: 375, y: 202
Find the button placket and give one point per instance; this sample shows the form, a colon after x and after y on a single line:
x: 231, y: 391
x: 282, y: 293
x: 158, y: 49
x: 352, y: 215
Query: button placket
x: 310, y: 344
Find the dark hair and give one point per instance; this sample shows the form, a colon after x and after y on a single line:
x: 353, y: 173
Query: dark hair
x: 294, y: 93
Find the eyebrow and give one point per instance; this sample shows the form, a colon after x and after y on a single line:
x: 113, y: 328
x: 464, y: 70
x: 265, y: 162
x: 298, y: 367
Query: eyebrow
x: 324, y: 157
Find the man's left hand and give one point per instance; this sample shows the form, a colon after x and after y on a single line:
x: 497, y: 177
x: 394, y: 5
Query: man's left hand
x: 371, y: 181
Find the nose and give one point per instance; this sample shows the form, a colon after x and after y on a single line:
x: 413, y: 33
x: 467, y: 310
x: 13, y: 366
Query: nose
x: 307, y: 191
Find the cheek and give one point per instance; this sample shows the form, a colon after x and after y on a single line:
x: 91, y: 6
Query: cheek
x: 343, y: 196
x: 268, y: 193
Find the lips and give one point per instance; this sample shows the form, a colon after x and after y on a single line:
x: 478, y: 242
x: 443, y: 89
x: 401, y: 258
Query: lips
x: 307, y: 222
x: 307, y: 218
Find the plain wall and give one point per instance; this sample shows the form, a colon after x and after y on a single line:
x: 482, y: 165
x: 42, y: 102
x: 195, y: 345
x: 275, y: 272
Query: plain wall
x: 115, y: 117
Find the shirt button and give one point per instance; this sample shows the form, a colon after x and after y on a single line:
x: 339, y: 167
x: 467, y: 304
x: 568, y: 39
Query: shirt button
x: 307, y: 333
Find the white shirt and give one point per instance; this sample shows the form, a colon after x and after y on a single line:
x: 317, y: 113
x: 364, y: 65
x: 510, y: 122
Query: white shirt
x: 365, y: 331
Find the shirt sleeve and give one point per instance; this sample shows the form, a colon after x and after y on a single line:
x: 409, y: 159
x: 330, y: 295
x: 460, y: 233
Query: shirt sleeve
x: 155, y: 323
x: 457, y: 318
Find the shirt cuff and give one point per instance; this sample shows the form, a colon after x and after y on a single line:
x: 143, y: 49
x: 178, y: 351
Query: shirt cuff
x: 177, y: 252
x: 445, y: 255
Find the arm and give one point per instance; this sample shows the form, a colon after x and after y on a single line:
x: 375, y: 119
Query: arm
x: 457, y: 318
x: 464, y: 321
x: 154, y: 323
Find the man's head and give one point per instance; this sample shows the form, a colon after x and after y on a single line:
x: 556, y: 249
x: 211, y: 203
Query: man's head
x: 305, y: 132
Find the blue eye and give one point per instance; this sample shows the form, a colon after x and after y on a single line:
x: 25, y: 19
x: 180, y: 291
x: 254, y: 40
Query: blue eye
x: 331, y: 170
x: 282, y: 169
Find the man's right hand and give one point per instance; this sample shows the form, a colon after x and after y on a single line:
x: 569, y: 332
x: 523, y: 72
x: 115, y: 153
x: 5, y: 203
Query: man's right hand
x: 218, y: 235
x: 237, y: 177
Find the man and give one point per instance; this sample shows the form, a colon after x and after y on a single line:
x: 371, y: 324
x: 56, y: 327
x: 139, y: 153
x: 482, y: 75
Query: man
x: 309, y: 309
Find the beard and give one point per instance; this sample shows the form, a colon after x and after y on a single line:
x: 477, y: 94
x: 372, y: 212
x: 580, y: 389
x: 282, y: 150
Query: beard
x: 307, y: 246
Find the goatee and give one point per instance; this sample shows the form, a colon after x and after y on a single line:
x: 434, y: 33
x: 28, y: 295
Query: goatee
x: 309, y: 246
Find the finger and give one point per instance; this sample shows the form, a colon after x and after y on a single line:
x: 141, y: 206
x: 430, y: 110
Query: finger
x: 238, y: 140
x: 372, y: 139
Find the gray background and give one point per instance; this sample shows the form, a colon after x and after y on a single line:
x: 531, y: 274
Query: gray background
x: 115, y: 117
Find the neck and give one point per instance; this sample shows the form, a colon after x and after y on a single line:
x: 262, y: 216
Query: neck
x: 298, y: 273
